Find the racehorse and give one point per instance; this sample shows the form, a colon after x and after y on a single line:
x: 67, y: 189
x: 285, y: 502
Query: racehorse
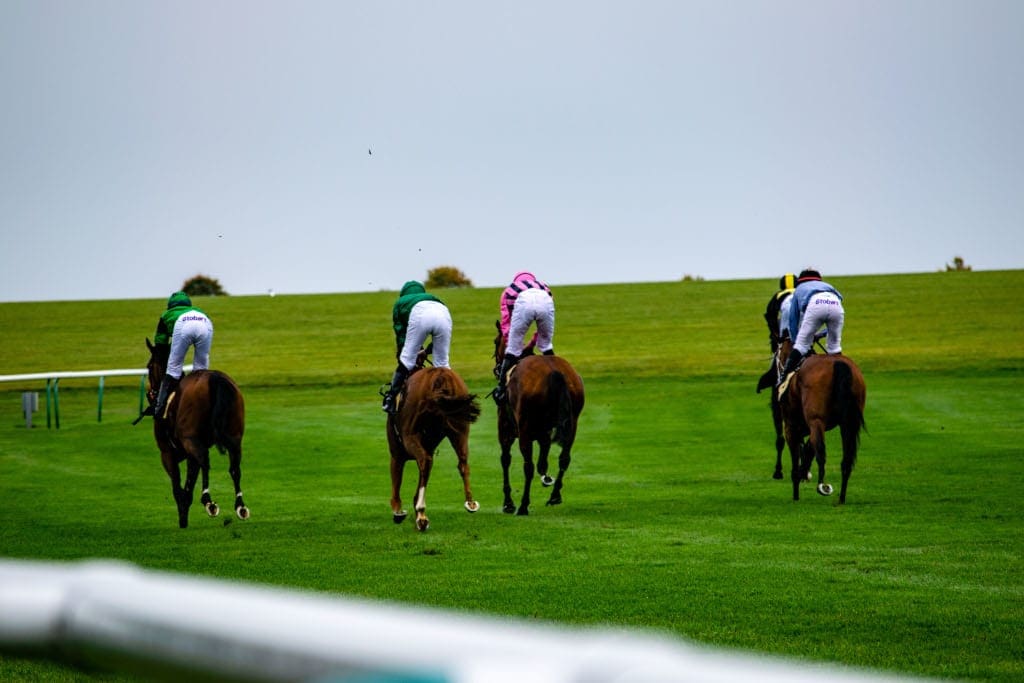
x: 434, y: 405
x: 827, y: 391
x: 206, y: 410
x: 543, y: 404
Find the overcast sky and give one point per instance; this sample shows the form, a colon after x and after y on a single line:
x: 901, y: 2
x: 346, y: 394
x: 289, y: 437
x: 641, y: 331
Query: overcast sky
x: 144, y: 142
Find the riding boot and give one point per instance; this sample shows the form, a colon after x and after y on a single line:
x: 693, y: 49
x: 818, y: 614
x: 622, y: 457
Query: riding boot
x: 549, y: 352
x: 167, y: 386
x: 506, y: 364
x: 397, y: 382
x: 791, y: 364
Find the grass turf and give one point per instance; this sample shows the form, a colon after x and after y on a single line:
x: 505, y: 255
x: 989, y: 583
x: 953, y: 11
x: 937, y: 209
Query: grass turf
x: 671, y: 520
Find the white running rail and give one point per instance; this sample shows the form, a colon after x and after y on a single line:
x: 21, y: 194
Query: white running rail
x: 121, y: 617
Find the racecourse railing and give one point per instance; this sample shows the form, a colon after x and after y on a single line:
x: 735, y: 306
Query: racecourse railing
x: 53, y: 379
x: 119, y: 617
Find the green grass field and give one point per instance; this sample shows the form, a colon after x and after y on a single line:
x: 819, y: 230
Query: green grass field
x: 671, y: 519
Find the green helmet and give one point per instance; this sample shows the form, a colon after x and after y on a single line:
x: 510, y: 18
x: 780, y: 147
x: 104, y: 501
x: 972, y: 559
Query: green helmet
x: 178, y: 299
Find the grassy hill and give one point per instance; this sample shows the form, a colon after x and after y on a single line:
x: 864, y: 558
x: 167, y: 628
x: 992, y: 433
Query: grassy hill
x: 671, y: 520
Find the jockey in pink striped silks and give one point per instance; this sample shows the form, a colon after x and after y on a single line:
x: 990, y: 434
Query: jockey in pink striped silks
x: 525, y: 301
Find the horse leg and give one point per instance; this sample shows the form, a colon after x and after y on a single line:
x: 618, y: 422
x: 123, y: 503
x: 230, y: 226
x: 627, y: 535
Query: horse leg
x: 849, y: 435
x: 425, y: 460
x: 780, y: 440
x: 796, y: 474
x: 508, y: 507
x: 173, y: 469
x: 397, y: 467
x: 207, y: 502
x: 506, y: 437
x: 526, y: 448
x: 460, y: 442
x: 188, y: 491
x: 426, y: 463
x: 564, y: 458
x: 235, y: 470
x: 542, y: 460
x: 817, y: 444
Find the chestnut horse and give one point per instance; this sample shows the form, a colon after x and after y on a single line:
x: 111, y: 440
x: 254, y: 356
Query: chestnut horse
x: 827, y: 391
x: 543, y: 404
x: 434, y: 405
x: 206, y: 410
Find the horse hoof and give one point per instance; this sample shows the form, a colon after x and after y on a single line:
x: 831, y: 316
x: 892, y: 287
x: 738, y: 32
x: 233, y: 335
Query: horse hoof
x: 546, y: 480
x: 777, y: 475
x: 472, y: 505
x: 242, y: 512
x: 399, y: 517
x: 508, y: 508
x: 523, y: 512
x: 555, y: 500
x: 825, y: 489
x: 212, y: 509
x: 423, y: 524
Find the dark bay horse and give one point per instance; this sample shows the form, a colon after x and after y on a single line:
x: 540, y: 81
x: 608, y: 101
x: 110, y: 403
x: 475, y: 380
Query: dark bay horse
x: 768, y: 381
x: 827, y: 391
x: 544, y: 401
x: 206, y: 410
x: 434, y: 405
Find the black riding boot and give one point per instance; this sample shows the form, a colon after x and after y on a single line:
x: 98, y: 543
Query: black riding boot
x: 167, y: 386
x: 791, y: 364
x: 397, y: 382
x: 506, y: 364
x: 549, y: 352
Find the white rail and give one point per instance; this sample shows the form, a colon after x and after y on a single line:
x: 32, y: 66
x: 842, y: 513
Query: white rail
x: 120, y: 617
x: 52, y: 380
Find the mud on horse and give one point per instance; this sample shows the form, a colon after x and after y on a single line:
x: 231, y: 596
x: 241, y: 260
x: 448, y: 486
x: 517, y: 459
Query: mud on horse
x: 206, y: 410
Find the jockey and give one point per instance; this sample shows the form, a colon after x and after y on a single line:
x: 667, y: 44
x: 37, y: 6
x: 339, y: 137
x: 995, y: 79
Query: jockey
x: 815, y: 303
x: 180, y: 326
x: 526, y: 300
x: 415, y: 315
x: 776, y: 315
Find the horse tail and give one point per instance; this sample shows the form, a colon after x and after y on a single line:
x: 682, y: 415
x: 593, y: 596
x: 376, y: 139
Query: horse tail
x: 851, y: 419
x: 560, y: 405
x: 224, y: 398
x: 458, y: 410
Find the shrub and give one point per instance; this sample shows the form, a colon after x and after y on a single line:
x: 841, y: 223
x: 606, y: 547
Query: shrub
x: 957, y: 265
x: 203, y: 285
x: 446, y: 276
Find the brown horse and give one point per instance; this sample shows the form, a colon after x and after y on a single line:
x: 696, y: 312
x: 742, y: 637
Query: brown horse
x: 206, y: 410
x: 827, y: 391
x: 544, y: 401
x: 434, y: 405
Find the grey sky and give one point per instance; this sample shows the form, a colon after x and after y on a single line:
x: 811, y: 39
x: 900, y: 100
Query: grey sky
x: 145, y: 142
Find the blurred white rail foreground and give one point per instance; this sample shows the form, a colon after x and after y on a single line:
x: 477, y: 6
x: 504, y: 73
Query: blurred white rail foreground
x: 122, y: 618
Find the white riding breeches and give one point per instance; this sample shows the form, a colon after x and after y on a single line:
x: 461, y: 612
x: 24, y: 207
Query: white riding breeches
x: 191, y: 329
x: 823, y: 309
x: 532, y: 305
x: 428, y: 318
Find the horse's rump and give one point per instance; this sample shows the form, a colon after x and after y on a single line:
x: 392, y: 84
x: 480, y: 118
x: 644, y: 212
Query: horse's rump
x: 439, y: 392
x: 209, y: 404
